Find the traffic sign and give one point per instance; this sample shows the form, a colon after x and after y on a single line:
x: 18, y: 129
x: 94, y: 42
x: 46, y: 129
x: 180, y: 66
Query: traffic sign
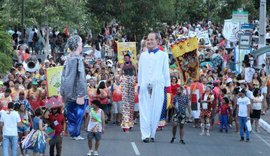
x: 240, y: 16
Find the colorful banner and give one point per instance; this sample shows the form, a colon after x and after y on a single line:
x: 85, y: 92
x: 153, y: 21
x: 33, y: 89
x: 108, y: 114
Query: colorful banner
x: 124, y: 48
x: 185, y: 54
x: 53, y: 76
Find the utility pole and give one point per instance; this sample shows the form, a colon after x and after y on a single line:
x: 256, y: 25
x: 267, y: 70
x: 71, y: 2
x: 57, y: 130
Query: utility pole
x: 22, y: 20
x: 262, y: 30
x: 262, y: 33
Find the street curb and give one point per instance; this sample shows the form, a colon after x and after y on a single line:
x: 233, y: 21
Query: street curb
x: 264, y: 125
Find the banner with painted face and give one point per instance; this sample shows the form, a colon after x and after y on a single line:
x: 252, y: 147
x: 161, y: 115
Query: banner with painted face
x: 185, y: 53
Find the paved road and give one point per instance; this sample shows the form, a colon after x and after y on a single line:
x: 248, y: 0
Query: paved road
x: 117, y: 143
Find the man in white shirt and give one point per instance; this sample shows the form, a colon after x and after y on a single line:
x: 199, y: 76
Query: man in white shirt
x: 243, y: 111
x: 10, y: 120
x: 249, y: 72
x: 153, y: 77
x: 96, y: 53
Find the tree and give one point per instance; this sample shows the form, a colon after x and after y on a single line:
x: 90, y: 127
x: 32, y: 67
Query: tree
x: 6, y: 51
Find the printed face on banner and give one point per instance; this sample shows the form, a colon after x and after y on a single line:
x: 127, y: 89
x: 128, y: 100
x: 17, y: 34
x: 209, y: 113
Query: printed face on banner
x: 185, y: 54
x: 188, y: 63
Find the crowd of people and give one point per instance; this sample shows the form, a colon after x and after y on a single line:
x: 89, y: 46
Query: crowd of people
x: 118, y: 93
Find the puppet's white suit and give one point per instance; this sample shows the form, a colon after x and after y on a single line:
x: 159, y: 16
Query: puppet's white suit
x: 153, y: 70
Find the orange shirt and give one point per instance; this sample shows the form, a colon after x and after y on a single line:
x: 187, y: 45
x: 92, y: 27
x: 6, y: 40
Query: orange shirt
x: 117, y: 93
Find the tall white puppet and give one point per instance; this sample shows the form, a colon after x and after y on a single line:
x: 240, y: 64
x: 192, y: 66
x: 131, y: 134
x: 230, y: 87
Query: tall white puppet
x: 153, y: 78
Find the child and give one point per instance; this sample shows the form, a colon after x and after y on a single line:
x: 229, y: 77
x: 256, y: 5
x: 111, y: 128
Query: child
x: 96, y: 125
x: 224, y: 110
x: 37, y: 135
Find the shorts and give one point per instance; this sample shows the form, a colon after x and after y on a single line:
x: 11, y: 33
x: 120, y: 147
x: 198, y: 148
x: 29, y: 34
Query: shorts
x: 23, y: 129
x: 116, y: 107
x: 92, y: 135
x: 179, y: 118
x: 256, y: 114
x: 104, y: 107
x: 264, y: 90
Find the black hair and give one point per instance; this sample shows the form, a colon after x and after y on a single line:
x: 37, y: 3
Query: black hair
x: 96, y: 102
x: 175, y: 78
x: 10, y: 105
x: 127, y: 55
x: 226, y: 99
x: 8, y: 90
x: 224, y: 91
x: 38, y: 112
x: 255, y: 92
x: 101, y: 86
x: 236, y: 90
x: 27, y: 51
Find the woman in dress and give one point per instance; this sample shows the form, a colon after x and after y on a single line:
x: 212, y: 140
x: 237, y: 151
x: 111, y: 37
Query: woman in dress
x: 256, y: 108
x: 36, y: 139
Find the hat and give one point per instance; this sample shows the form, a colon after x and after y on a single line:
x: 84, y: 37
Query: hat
x: 242, y: 81
x: 109, y: 63
x: 228, y: 80
x: 34, y: 82
x: 46, y: 61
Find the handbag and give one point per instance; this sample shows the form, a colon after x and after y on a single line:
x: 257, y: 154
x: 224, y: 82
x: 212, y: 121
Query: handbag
x: 248, y: 124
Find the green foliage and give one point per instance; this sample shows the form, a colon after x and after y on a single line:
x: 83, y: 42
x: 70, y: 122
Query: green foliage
x: 138, y: 16
x: 6, y: 52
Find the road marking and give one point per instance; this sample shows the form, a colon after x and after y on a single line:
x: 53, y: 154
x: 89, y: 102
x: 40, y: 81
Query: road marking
x: 135, y: 148
x: 268, y: 144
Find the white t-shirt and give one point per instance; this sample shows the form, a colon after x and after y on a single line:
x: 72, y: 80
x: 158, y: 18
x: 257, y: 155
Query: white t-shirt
x: 249, y: 74
x: 94, y: 125
x: 243, y: 106
x: 257, y: 103
x: 250, y: 94
x: 97, y: 54
x: 10, y: 122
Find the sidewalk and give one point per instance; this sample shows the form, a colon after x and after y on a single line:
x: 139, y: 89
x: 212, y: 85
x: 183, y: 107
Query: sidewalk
x: 264, y: 122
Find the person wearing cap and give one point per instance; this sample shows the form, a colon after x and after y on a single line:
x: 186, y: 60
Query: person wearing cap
x: 243, y: 112
x: 154, y: 82
x: 74, y: 87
